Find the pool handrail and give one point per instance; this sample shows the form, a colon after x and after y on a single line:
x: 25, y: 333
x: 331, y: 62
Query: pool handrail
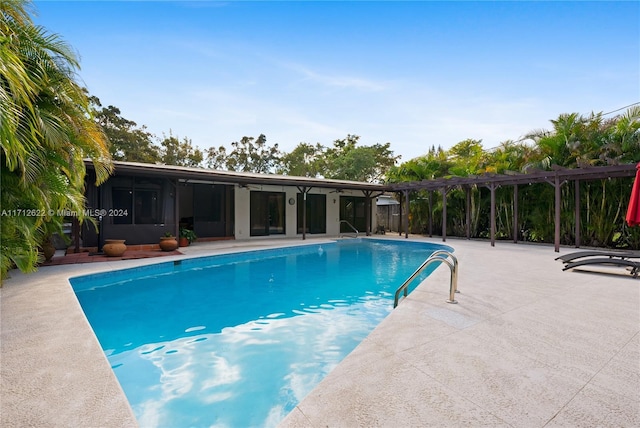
x: 437, y: 256
x: 351, y: 226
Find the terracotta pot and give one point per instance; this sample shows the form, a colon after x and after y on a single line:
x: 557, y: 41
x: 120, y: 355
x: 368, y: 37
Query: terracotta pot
x: 168, y: 243
x: 184, y: 242
x: 114, y: 247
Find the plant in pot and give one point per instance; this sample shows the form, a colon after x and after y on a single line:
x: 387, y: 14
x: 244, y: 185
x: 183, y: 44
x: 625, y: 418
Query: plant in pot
x: 47, y: 248
x: 187, y: 236
x: 168, y: 242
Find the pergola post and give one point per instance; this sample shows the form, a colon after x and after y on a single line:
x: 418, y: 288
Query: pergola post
x: 515, y: 214
x: 492, y: 188
x: 400, y: 217
x: 467, y: 190
x: 430, y: 213
x: 367, y: 214
x: 406, y: 217
x: 577, y: 220
x: 368, y: 207
x: 556, y: 185
x: 444, y: 213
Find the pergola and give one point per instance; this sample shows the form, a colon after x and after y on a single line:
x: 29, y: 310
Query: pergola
x: 557, y: 177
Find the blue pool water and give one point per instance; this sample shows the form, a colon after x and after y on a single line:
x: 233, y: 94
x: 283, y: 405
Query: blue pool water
x: 238, y: 340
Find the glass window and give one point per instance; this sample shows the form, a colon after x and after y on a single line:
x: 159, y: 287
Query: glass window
x: 140, y: 199
x: 147, y: 208
x: 123, y: 203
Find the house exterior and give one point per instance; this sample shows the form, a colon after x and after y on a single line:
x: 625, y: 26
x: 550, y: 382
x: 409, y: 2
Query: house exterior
x: 141, y: 202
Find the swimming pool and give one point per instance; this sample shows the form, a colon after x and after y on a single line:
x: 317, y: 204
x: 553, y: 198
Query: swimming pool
x: 240, y: 339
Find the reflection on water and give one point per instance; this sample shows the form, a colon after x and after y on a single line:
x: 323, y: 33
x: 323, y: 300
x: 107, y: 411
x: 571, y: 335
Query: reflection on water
x: 248, y: 375
x: 240, y: 344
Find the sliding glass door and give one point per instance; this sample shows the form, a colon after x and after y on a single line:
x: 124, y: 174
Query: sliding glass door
x: 316, y: 213
x: 352, y: 209
x: 267, y: 213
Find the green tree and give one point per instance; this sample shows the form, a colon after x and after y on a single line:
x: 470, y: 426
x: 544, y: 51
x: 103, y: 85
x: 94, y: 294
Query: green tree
x: 216, y: 157
x: 348, y: 161
x: 180, y: 153
x: 508, y: 156
x: 623, y: 142
x: 305, y: 160
x: 467, y: 158
x: 253, y: 155
x: 434, y: 164
x: 46, y: 131
x: 127, y: 142
x: 574, y: 141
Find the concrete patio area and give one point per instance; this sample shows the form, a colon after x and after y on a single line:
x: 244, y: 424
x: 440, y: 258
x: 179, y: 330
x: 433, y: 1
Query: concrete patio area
x: 528, y: 345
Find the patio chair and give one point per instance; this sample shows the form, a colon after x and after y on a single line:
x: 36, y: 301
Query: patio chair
x: 633, y: 265
x: 567, y: 258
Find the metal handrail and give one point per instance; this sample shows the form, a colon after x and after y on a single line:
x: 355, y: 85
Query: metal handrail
x: 351, y: 226
x: 437, y: 256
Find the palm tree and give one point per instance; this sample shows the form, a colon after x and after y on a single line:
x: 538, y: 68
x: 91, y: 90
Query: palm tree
x: 624, y: 138
x: 46, y: 133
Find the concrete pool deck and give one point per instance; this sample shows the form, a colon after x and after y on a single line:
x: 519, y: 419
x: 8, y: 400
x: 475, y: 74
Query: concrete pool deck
x: 528, y: 345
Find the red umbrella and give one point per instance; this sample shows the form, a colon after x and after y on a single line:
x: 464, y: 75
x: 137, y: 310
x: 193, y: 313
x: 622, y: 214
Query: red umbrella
x: 633, y: 212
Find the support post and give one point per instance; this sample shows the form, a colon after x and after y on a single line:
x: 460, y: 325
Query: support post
x: 368, y: 208
x: 304, y: 215
x: 492, y: 188
x: 577, y: 220
x: 406, y: 218
x: 176, y: 211
x: 400, y: 216
x: 304, y: 190
x: 515, y: 214
x: 467, y: 190
x: 444, y: 213
x: 556, y: 239
x: 430, y: 213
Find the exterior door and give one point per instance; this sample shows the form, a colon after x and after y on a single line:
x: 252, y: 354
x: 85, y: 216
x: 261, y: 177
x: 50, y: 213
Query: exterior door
x: 267, y: 213
x: 352, y: 209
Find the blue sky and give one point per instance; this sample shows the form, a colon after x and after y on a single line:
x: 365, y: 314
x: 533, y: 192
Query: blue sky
x: 414, y: 74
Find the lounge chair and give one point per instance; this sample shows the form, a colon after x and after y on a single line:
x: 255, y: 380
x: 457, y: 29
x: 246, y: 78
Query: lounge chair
x: 587, y: 253
x: 635, y: 266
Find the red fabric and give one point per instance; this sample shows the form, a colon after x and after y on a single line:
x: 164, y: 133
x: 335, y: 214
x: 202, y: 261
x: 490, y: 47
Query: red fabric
x: 633, y: 212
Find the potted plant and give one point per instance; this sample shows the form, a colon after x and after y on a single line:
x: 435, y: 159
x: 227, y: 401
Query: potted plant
x: 187, y: 236
x: 168, y: 242
x: 47, y: 248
